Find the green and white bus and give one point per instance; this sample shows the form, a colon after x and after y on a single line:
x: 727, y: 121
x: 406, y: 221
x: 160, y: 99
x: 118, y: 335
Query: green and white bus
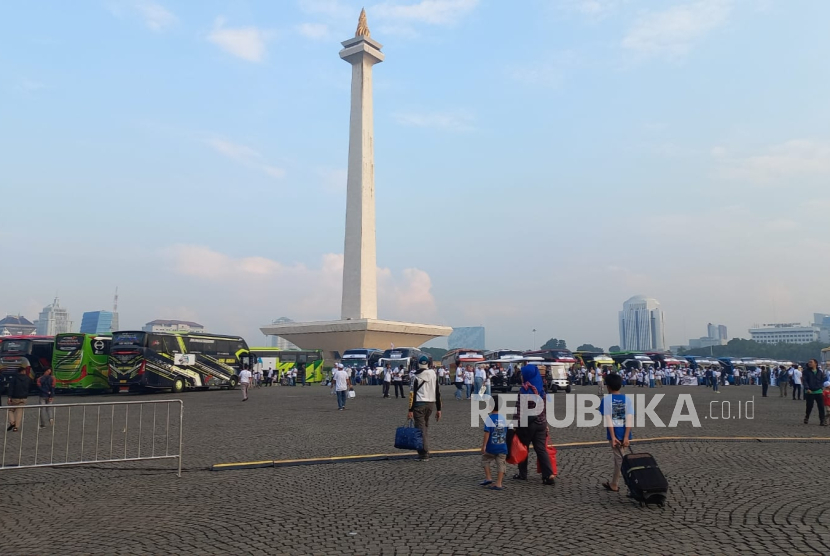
x: 80, y: 363
x: 175, y: 361
x: 282, y: 360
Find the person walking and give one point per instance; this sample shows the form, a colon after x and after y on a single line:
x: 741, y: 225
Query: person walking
x: 459, y: 382
x: 783, y: 381
x: 18, y: 391
x: 478, y: 380
x: 797, y: 382
x: 534, y: 430
x: 341, y: 384
x: 245, y: 378
x: 397, y: 382
x: 765, y: 379
x: 387, y: 380
x: 424, y: 399
x: 813, y: 379
x: 46, y: 394
x: 468, y: 380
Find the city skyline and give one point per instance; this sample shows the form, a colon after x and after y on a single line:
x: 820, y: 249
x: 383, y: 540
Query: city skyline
x: 638, y: 122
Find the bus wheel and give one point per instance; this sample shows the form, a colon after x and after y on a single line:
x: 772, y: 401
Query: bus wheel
x: 234, y: 381
x: 178, y: 386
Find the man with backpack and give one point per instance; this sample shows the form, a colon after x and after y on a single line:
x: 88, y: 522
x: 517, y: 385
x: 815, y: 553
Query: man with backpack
x: 424, y: 399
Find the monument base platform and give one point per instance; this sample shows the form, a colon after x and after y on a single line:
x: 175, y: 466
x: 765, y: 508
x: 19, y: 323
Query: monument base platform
x: 340, y: 335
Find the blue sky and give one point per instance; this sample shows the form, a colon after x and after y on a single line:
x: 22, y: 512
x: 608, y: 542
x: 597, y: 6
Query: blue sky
x: 537, y: 163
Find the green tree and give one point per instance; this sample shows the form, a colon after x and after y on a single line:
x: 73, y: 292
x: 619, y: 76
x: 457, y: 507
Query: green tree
x: 738, y: 347
x: 554, y: 343
x: 612, y: 349
x: 590, y: 347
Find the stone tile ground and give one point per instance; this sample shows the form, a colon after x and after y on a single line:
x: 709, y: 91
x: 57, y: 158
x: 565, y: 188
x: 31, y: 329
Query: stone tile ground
x: 754, y: 497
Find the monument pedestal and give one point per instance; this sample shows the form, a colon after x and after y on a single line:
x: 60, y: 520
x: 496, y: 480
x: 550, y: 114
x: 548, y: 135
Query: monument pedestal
x: 340, y: 335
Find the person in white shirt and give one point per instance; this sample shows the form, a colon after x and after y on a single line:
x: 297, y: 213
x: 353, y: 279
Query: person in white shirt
x: 796, y: 382
x: 397, y: 381
x: 387, y: 379
x: 459, y: 381
x: 341, y: 384
x: 478, y: 381
x: 424, y: 398
x: 245, y: 382
x: 469, y: 378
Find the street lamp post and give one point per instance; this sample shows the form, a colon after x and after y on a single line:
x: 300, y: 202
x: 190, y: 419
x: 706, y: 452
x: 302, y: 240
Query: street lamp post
x: 534, y: 339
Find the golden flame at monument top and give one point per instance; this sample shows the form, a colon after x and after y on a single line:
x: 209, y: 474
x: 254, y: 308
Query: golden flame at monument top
x: 362, y: 26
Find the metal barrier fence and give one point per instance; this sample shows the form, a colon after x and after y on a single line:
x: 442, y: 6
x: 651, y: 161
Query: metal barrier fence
x: 56, y: 435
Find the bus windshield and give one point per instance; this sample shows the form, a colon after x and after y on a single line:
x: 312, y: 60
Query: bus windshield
x: 15, y: 346
x: 128, y: 338
x: 69, y: 342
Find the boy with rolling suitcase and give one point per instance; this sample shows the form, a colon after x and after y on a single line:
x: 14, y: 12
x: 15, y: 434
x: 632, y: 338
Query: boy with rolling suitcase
x: 618, y: 419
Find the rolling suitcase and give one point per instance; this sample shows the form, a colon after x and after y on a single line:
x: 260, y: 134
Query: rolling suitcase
x: 645, y: 482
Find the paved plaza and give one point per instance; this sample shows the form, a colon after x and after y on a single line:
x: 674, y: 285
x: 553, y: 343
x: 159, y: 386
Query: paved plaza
x: 761, y: 496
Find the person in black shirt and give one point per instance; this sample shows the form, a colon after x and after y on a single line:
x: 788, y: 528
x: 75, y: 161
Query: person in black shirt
x: 18, y: 394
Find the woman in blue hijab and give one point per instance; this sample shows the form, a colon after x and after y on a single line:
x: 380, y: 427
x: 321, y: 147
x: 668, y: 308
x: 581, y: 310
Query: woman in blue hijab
x: 535, y: 430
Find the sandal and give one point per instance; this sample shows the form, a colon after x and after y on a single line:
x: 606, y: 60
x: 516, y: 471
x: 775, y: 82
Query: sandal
x: 485, y: 483
x: 494, y: 487
x: 14, y: 429
x: 607, y: 487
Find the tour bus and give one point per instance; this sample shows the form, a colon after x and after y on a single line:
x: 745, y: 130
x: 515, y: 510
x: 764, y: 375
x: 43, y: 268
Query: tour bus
x: 80, y: 363
x: 665, y: 360
x: 406, y: 357
x: 175, y: 360
x: 554, y: 373
x: 309, y: 361
x: 361, y: 357
x: 565, y: 356
x: 15, y: 351
x: 596, y: 361
x: 697, y: 361
x: 463, y: 357
x: 629, y: 360
x: 503, y: 354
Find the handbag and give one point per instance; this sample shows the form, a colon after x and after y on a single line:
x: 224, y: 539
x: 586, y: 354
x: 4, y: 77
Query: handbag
x: 516, y: 451
x: 351, y: 393
x: 551, y: 455
x: 409, y: 438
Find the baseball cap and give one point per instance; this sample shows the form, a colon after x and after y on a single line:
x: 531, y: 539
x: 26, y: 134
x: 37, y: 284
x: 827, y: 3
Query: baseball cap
x: 827, y: 384
x: 423, y: 362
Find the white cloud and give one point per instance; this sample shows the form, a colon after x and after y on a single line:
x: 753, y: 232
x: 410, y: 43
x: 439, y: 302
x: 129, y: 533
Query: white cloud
x: 433, y: 12
x: 674, y: 31
x: 799, y: 158
x: 156, y: 16
x: 248, y: 43
x: 244, y: 155
x: 448, y: 121
x: 306, y: 292
x: 549, y: 72
x: 316, y: 31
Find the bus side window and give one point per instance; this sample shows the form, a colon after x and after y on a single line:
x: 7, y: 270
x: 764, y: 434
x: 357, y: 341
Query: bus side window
x: 156, y: 343
x: 171, y: 344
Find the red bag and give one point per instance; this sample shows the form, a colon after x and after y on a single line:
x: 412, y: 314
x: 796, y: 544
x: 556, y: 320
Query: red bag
x: 551, y: 455
x: 516, y: 451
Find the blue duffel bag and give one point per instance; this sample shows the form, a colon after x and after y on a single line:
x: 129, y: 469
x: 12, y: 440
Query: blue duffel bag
x: 409, y: 438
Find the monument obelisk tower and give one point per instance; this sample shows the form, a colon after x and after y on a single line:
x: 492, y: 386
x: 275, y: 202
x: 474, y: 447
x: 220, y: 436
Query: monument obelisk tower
x: 360, y: 291
x: 358, y: 326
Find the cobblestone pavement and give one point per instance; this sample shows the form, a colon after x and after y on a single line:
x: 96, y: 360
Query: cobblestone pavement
x: 759, y: 497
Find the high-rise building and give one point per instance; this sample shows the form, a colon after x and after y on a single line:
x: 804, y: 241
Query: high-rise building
x: 98, y: 322
x: 278, y: 341
x: 722, y: 334
x: 641, y: 325
x: 53, y: 320
x: 15, y: 325
x: 471, y: 337
x: 822, y: 322
x: 162, y: 325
